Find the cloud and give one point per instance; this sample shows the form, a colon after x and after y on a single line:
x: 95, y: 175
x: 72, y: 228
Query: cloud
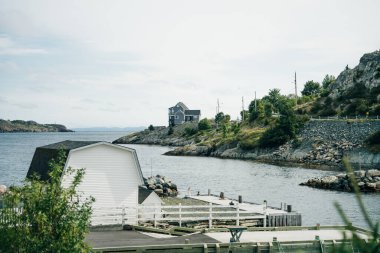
x: 9, y: 47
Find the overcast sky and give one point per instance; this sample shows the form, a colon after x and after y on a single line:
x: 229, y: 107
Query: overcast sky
x: 123, y: 63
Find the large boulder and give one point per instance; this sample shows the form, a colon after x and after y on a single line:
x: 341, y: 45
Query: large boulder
x: 373, y: 173
x: 329, y: 179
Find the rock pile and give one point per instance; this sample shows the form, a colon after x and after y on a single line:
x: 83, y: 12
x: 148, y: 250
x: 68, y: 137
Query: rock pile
x: 368, y: 181
x: 162, y: 186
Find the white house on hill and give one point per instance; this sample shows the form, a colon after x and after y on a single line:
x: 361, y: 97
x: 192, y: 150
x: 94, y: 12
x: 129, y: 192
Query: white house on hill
x: 113, y: 175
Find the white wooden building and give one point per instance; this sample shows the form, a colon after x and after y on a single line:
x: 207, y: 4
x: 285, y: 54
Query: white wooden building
x: 149, y: 204
x: 112, y: 176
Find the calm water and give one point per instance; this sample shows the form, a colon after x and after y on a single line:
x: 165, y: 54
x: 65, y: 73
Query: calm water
x: 254, y: 181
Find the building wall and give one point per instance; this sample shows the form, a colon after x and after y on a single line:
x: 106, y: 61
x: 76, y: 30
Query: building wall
x: 111, y: 177
x: 152, y: 200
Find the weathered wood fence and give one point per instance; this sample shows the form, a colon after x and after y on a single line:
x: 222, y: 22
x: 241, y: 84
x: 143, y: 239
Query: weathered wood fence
x: 182, y: 214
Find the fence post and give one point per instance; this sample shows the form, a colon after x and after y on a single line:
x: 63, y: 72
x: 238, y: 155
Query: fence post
x: 180, y: 214
x: 210, y: 216
x: 237, y: 214
x: 155, y: 216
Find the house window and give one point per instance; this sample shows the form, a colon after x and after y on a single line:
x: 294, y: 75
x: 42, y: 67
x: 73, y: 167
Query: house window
x: 176, y: 117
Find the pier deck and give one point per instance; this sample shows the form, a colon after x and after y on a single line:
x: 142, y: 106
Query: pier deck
x: 307, y: 239
x: 283, y: 236
x: 257, y: 208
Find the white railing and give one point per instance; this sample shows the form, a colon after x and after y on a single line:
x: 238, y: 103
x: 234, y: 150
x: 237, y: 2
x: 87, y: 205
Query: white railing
x: 175, y: 213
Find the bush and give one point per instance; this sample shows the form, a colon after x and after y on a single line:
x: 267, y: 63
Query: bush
x: 253, y: 116
x: 189, y: 131
x: 52, y: 218
x: 151, y: 127
x: 171, y: 130
x: 373, y: 139
x: 273, y: 137
x: 376, y: 111
x: 311, y: 88
x: 204, y: 124
x: 317, y: 106
x: 327, y: 112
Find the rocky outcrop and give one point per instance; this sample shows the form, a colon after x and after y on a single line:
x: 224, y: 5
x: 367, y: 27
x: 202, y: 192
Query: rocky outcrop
x: 160, y: 136
x: 368, y: 181
x: 162, y: 186
x: 366, y: 76
x: 320, y: 143
x: 8, y: 126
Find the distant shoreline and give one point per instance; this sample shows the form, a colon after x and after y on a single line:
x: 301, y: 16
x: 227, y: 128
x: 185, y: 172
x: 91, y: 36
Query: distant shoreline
x: 21, y: 126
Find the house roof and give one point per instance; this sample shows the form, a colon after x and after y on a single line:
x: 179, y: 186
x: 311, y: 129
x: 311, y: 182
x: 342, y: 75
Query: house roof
x: 193, y: 112
x: 68, y: 145
x: 143, y: 194
x: 43, y: 155
x: 182, y: 105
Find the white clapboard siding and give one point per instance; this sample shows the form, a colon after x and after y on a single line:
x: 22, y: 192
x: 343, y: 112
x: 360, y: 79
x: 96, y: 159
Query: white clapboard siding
x: 153, y: 200
x: 112, y: 176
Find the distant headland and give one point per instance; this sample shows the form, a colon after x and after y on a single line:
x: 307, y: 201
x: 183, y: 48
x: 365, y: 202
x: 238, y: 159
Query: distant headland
x: 17, y: 126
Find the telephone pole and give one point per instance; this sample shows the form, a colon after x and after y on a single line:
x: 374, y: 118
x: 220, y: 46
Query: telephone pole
x: 242, y: 107
x: 295, y: 84
x: 255, y: 103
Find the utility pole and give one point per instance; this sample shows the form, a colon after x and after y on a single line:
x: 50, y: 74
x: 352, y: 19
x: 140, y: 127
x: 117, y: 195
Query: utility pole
x: 295, y: 84
x: 255, y: 103
x: 218, y: 106
x: 242, y: 107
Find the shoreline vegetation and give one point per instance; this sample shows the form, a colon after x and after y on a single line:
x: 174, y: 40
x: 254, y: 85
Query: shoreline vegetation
x: 20, y: 126
x: 330, y: 121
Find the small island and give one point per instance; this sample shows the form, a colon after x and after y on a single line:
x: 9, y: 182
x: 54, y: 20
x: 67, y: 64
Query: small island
x: 18, y: 126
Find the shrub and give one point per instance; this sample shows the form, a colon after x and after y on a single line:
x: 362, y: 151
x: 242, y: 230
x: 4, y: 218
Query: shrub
x: 376, y: 111
x: 53, y: 218
x: 204, y: 124
x: 328, y: 111
x: 273, y: 137
x: 311, y: 88
x: 171, y: 130
x: 317, y: 106
x: 189, y: 131
x: 373, y: 139
x: 253, y: 116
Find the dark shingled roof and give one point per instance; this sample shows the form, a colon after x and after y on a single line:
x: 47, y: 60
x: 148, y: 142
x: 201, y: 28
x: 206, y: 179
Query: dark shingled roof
x: 143, y: 193
x: 43, y: 155
x: 193, y: 112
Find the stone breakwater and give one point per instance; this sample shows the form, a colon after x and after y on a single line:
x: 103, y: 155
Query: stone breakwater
x: 368, y: 181
x: 162, y: 186
x: 321, y: 143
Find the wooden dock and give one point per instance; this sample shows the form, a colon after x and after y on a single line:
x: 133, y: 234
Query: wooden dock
x: 274, y: 217
x: 284, y: 239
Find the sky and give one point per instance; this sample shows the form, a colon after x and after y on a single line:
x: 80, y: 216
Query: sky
x: 124, y: 63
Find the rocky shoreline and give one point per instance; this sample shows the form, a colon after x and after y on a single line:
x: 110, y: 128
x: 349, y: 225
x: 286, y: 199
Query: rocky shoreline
x: 161, y: 185
x: 21, y: 126
x: 320, y: 144
x: 368, y: 181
